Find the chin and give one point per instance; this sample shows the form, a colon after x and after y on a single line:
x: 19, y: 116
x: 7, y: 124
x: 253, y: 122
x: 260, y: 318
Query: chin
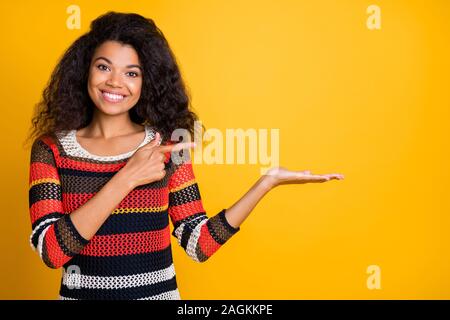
x: 112, y: 110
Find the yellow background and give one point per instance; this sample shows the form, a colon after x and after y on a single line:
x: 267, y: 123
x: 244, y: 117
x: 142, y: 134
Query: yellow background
x: 370, y: 104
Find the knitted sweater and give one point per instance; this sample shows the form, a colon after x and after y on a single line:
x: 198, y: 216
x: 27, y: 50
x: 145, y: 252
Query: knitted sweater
x: 130, y: 256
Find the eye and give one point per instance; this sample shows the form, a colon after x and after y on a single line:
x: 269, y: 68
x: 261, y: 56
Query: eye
x: 133, y: 74
x: 102, y: 67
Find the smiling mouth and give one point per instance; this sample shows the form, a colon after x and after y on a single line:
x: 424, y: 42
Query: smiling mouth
x: 112, y: 97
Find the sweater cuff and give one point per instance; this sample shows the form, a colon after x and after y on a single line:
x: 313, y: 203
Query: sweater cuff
x: 69, y: 239
x: 75, y: 232
x: 225, y: 222
x: 220, y: 229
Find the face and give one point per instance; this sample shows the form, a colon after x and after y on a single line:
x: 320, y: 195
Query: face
x: 115, y: 78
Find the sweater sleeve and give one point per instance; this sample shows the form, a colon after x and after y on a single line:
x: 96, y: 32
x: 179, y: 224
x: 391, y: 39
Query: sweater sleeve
x: 197, y: 234
x: 53, y: 236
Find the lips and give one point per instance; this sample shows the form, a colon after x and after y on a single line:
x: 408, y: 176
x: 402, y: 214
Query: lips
x: 112, y: 97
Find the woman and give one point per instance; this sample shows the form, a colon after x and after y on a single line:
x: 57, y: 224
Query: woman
x: 103, y: 180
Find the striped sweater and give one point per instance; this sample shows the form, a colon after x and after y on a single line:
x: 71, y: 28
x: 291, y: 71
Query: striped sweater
x: 130, y: 256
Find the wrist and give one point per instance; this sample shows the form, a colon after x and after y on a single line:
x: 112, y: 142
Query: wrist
x: 267, y: 183
x: 124, y: 179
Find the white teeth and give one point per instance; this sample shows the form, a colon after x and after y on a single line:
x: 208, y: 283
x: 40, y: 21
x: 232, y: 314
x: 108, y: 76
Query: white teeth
x: 113, y: 96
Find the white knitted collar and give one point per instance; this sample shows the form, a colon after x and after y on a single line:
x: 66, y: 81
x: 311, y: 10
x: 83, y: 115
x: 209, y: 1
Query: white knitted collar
x: 68, y: 141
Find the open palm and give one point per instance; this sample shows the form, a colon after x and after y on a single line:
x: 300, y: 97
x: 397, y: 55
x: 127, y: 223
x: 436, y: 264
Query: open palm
x: 280, y: 175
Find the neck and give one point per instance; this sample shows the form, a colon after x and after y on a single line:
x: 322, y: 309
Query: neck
x: 107, y: 126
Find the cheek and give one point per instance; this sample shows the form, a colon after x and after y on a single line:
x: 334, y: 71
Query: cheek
x: 90, y: 87
x: 136, y: 88
x: 94, y: 79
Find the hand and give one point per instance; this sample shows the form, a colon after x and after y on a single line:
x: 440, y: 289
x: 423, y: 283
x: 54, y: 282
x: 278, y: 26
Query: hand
x: 279, y: 175
x: 146, y: 165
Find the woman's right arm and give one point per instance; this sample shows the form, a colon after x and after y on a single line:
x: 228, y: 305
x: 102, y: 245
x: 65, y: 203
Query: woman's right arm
x: 145, y: 166
x: 57, y: 235
x: 88, y: 218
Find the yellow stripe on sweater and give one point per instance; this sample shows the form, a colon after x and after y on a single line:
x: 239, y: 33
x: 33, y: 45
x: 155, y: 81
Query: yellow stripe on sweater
x: 44, y: 180
x: 140, y: 210
x: 183, y: 185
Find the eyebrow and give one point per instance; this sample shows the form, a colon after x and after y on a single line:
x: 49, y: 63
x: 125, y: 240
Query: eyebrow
x: 129, y: 66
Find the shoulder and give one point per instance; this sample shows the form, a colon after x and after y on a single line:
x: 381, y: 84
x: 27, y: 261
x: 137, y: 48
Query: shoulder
x: 43, y: 148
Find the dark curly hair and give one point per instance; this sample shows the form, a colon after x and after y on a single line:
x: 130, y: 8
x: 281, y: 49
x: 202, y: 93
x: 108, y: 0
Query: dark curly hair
x: 164, y: 102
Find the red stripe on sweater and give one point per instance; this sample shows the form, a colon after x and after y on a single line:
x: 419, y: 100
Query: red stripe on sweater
x: 207, y: 243
x: 127, y: 243
x: 147, y: 198
x: 44, y: 207
x: 68, y: 163
x: 40, y: 170
x: 183, y: 174
x: 64, y: 162
x: 184, y: 210
x: 72, y: 201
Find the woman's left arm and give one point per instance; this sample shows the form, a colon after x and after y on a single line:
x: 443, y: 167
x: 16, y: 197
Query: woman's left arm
x: 239, y: 211
x: 201, y: 236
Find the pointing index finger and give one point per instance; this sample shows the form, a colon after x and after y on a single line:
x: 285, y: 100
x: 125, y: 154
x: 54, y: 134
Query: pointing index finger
x: 177, y: 146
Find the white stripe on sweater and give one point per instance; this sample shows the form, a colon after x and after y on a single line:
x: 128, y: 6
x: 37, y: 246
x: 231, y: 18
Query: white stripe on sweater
x: 117, y: 282
x: 41, y: 240
x: 193, y: 241
x: 39, y: 226
x: 193, y: 238
x: 179, y: 233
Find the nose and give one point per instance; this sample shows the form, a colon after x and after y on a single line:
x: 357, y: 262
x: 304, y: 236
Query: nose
x: 114, y: 80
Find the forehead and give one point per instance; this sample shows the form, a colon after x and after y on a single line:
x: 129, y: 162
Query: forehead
x: 118, y: 53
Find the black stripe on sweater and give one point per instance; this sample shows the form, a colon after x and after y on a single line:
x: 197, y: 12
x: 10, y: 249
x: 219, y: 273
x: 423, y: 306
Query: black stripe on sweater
x: 185, y: 195
x: 122, y: 265
x: 44, y: 191
x: 134, y: 222
x: 120, y: 294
